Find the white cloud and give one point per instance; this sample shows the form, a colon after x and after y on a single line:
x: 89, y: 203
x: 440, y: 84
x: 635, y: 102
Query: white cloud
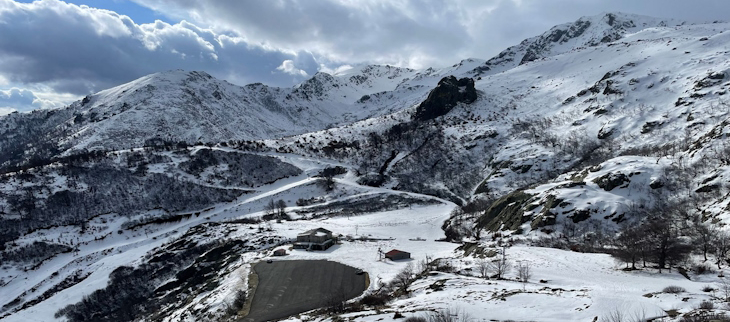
x: 336, y: 70
x: 66, y: 48
x: 287, y: 66
x: 6, y: 111
x: 412, y: 33
x: 17, y: 99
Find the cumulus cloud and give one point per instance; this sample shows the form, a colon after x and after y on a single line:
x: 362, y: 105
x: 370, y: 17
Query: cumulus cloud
x: 16, y: 99
x: 413, y: 33
x: 334, y: 71
x: 78, y: 50
x: 287, y: 66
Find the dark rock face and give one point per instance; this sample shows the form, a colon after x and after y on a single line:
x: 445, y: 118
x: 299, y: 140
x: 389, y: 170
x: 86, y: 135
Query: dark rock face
x: 612, y: 180
x: 445, y: 96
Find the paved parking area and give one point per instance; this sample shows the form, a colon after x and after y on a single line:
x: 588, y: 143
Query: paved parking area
x: 286, y: 288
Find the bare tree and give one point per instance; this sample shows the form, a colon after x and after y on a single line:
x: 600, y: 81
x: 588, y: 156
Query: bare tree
x: 630, y: 245
x: 270, y: 208
x: 449, y: 315
x: 704, y: 236
x: 722, y: 246
x: 665, y: 243
x: 280, y: 210
x: 615, y: 315
x: 524, y: 273
x: 483, y: 267
x: 725, y: 289
x: 501, y: 267
x: 404, y: 278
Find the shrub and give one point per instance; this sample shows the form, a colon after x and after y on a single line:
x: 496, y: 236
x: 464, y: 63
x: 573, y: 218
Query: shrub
x: 707, y: 305
x: 673, y: 289
x: 707, y: 288
x: 415, y: 319
x: 705, y: 318
x: 700, y: 269
x: 449, y: 315
x: 377, y: 299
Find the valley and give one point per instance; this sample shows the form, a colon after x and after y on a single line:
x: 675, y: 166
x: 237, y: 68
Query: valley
x: 578, y: 176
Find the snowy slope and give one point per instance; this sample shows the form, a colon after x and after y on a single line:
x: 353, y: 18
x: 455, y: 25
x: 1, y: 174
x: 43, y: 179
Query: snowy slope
x: 589, y: 31
x: 657, y: 94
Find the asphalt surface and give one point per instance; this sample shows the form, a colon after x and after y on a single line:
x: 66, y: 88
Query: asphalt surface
x: 287, y: 288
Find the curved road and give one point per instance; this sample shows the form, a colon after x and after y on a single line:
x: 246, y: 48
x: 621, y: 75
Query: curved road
x: 286, y: 288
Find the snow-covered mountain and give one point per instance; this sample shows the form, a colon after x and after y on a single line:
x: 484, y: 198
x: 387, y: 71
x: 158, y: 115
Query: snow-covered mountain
x: 195, y: 107
x: 569, y: 135
x: 589, y: 31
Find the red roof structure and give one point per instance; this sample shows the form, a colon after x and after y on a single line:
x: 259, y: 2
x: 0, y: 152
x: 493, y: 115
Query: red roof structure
x: 397, y: 255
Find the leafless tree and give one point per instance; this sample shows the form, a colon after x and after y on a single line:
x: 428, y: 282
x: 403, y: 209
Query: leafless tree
x: 449, y: 315
x: 630, y: 245
x: 483, y: 267
x: 666, y: 245
x: 704, y: 236
x: 524, y: 273
x: 620, y: 315
x: 404, y: 277
x: 501, y: 267
x: 721, y: 246
x: 270, y: 208
x: 725, y: 289
x: 280, y: 209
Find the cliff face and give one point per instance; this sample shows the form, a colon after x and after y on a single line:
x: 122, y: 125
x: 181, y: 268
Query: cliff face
x: 445, y: 96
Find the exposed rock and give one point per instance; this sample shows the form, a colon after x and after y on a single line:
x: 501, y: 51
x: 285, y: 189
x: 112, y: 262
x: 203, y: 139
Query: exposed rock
x: 505, y: 213
x: 650, y: 126
x: 605, y: 133
x: 656, y: 184
x: 612, y: 180
x: 708, y: 188
x: 445, y: 96
x: 580, y: 215
x: 711, y: 80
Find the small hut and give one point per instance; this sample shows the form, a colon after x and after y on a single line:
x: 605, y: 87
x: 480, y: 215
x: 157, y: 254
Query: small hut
x: 395, y: 255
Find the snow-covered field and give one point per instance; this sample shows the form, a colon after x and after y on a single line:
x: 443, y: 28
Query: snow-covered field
x: 565, y: 286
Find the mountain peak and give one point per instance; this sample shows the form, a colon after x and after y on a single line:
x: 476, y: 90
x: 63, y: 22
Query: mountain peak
x: 587, y: 31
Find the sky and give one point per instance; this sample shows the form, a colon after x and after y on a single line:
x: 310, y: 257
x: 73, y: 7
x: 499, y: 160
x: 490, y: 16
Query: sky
x: 54, y: 52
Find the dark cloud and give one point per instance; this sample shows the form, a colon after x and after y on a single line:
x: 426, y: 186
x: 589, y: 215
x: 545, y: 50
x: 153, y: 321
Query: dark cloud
x: 79, y: 50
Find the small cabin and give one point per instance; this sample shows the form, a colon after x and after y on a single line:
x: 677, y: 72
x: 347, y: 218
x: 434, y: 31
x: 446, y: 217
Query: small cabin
x: 315, y: 239
x: 395, y: 255
x: 280, y: 252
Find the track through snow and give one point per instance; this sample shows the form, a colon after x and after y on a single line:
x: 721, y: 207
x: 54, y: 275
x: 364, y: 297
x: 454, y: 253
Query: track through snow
x: 98, y: 258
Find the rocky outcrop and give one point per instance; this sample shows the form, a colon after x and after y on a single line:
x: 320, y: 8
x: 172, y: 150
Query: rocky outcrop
x: 612, y: 180
x: 445, y: 96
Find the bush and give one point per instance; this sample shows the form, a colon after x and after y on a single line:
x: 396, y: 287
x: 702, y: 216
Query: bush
x: 377, y: 299
x: 673, y: 289
x: 708, y: 288
x: 449, y: 315
x: 700, y: 269
x: 705, y: 318
x: 707, y: 305
x: 415, y: 319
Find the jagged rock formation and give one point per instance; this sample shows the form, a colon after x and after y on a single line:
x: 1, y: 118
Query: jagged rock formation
x: 445, y: 96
